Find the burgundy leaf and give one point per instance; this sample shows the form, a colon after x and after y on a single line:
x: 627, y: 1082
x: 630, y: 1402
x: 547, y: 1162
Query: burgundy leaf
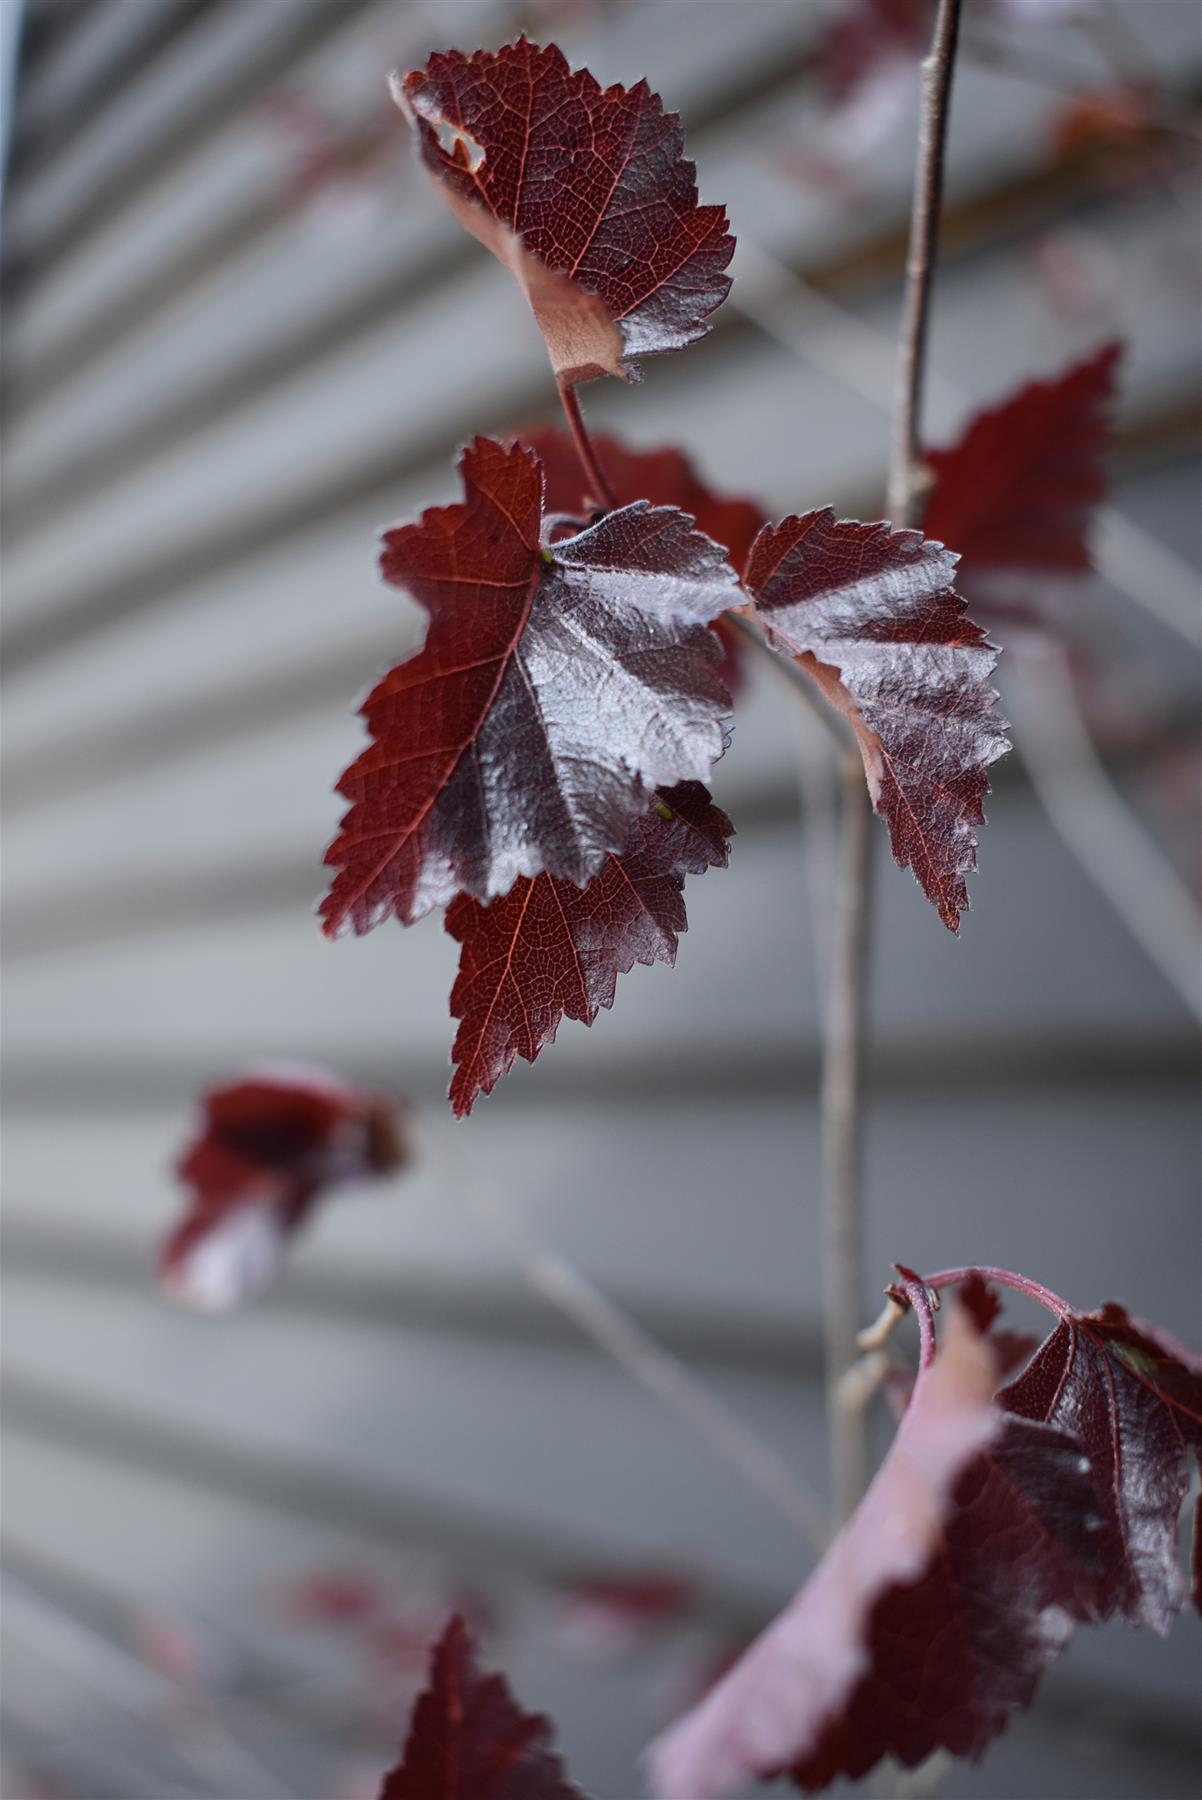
x: 556, y: 690
x: 1018, y: 491
x: 664, y: 476
x: 582, y: 193
x: 931, y: 1617
x: 549, y: 949
x: 267, y: 1146
x: 872, y: 616
x: 773, y: 1707
x: 1133, y: 1399
x: 469, y: 1739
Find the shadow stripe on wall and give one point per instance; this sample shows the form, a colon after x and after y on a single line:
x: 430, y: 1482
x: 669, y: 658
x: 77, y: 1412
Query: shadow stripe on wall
x: 379, y: 1516
x: 492, y: 1312
x: 662, y: 1075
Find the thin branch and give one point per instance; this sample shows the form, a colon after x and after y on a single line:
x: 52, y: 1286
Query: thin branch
x: 876, y: 1335
x: 557, y: 1281
x: 842, y: 1094
x: 135, y: 1688
x: 904, y: 464
x: 843, y: 1050
x: 843, y: 346
x: 1114, y: 851
x: 1148, y: 572
x: 599, y: 484
x: 1098, y: 827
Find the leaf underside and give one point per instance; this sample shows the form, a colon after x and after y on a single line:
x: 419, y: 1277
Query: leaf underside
x: 873, y: 617
x: 990, y: 1531
x: 582, y: 192
x: 791, y: 1699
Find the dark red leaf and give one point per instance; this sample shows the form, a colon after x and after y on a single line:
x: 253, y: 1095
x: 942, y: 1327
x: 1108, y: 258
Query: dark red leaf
x: 556, y: 690
x: 872, y: 616
x: 664, y: 476
x: 930, y: 1619
x: 1134, y: 1402
x: 1017, y: 492
x: 549, y: 949
x: 469, y: 1739
x: 582, y: 193
x: 267, y: 1146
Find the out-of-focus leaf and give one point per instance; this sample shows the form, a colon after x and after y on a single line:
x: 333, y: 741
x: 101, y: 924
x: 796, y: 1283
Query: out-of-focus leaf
x: 470, y: 1740
x: 267, y: 1146
x: 1018, y: 491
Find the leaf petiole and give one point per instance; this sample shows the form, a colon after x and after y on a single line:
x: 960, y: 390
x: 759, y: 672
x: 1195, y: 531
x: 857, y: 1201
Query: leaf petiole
x: 602, y: 490
x: 1002, y: 1278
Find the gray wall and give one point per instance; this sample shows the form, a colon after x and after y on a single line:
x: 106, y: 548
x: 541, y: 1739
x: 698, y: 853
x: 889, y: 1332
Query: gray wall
x: 216, y: 393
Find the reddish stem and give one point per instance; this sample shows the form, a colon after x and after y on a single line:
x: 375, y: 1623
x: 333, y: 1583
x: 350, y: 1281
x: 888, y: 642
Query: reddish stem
x: 601, y: 491
x: 1003, y: 1278
x: 916, y: 1291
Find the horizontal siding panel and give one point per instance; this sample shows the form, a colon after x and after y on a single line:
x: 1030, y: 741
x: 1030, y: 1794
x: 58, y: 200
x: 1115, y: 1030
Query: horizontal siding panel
x: 268, y: 471
x: 245, y: 170
x: 1038, y: 952
x: 217, y: 399
x: 699, y: 1203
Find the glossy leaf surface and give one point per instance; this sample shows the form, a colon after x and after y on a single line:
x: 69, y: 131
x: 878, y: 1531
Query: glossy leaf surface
x: 1134, y: 1402
x: 873, y: 617
x: 556, y: 691
x: 470, y: 1740
x: 549, y: 950
x: 664, y: 476
x: 582, y: 192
